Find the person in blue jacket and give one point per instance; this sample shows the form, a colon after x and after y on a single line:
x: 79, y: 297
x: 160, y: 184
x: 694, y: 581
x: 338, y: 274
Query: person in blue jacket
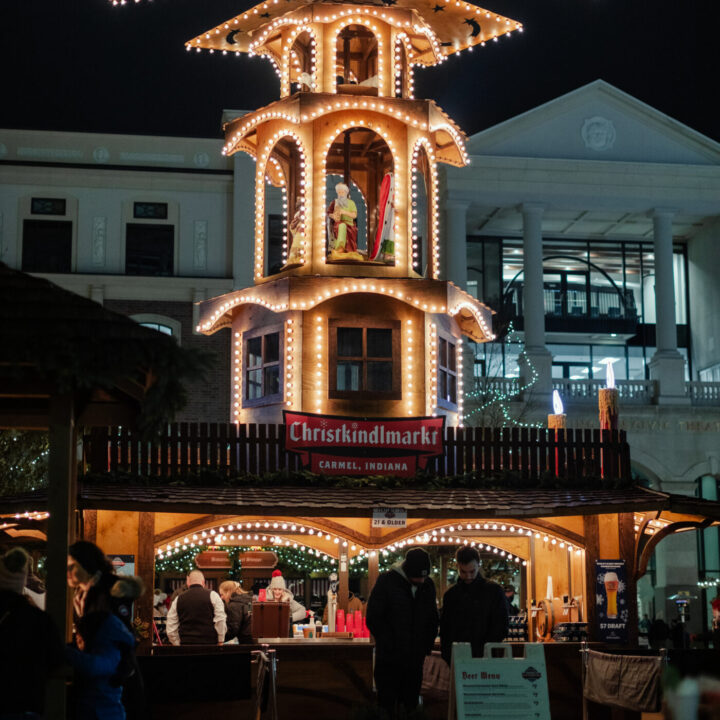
x: 102, y: 639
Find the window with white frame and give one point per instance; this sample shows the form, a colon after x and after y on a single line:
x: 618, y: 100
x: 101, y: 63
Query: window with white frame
x: 263, y: 382
x: 447, y: 372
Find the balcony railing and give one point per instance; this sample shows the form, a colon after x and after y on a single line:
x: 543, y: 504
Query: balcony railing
x: 637, y: 392
x: 631, y: 392
x: 229, y: 450
x: 703, y: 393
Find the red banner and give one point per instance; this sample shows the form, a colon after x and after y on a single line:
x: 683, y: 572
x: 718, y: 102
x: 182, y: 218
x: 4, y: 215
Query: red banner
x: 377, y: 446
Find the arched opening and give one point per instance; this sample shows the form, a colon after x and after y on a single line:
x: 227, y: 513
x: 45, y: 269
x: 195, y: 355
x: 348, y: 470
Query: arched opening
x: 302, y: 63
x: 362, y: 159
x: 283, y: 200
x: 421, y: 218
x: 357, y: 68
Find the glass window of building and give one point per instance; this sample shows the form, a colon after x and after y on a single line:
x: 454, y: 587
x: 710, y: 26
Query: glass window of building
x: 149, y: 249
x: 164, y: 329
x: 262, y: 368
x: 47, y: 246
x: 364, y: 360
x: 447, y: 372
x: 596, y: 293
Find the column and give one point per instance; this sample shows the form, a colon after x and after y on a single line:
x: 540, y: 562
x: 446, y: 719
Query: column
x: 242, y: 231
x: 455, y: 262
x: 535, y: 354
x: 667, y: 365
x: 62, y: 506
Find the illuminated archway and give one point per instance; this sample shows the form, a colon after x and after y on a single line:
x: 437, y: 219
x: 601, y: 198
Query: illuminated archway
x: 283, y: 164
x: 362, y: 157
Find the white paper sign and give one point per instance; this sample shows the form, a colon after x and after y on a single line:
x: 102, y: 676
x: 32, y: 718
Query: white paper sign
x: 389, y: 517
x: 500, y: 687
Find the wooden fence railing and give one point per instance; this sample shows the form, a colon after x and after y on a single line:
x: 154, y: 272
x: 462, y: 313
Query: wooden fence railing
x: 230, y: 449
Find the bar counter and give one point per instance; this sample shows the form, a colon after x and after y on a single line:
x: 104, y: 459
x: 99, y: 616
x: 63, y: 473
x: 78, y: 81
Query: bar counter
x: 325, y: 677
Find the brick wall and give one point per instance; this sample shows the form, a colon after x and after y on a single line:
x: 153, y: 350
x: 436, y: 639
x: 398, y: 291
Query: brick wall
x: 208, y: 399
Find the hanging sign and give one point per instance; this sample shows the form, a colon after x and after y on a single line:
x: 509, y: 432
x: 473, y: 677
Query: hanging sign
x: 611, y: 607
x: 213, y: 559
x: 258, y: 559
x: 334, y: 445
x: 500, y: 687
x: 389, y: 517
x: 123, y: 564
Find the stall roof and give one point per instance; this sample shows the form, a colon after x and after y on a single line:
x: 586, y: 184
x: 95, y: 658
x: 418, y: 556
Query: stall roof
x: 358, y: 502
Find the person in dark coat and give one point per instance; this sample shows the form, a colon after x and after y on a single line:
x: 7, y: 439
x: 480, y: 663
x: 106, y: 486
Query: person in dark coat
x: 513, y: 609
x: 238, y: 608
x: 403, y: 618
x: 97, y: 589
x: 474, y: 610
x: 30, y: 642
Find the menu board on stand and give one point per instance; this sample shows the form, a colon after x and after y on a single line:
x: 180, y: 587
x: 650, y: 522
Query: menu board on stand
x: 499, y: 687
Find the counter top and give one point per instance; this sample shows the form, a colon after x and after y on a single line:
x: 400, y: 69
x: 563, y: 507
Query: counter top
x: 315, y: 641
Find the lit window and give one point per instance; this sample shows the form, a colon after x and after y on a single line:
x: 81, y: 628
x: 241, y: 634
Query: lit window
x: 262, y: 368
x: 364, y: 360
x: 447, y: 372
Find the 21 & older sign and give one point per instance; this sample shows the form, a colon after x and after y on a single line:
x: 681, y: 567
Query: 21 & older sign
x: 334, y: 445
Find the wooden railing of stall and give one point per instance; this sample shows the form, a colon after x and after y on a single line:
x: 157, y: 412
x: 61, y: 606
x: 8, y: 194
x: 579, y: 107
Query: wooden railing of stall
x: 231, y: 448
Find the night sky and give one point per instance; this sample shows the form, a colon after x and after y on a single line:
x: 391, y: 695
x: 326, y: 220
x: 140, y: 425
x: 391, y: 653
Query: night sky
x: 84, y: 65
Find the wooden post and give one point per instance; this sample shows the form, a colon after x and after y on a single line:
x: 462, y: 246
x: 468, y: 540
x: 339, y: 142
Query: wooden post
x: 62, y: 505
x: 591, y: 530
x: 89, y: 531
x: 443, y: 575
x: 373, y: 571
x: 626, y: 528
x: 146, y: 571
x: 343, y: 579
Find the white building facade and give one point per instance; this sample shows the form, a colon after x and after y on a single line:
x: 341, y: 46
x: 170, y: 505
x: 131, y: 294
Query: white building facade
x: 591, y: 225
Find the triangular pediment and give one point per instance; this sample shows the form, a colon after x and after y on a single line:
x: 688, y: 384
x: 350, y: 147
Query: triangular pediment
x: 597, y: 122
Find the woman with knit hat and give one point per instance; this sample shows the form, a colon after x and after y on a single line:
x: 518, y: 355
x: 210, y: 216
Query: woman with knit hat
x: 279, y: 593
x: 30, y: 642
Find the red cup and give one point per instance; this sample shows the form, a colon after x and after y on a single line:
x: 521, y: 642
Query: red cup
x: 262, y: 594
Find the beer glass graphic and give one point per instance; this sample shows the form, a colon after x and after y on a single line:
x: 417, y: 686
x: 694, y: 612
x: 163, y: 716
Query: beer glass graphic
x: 611, y: 590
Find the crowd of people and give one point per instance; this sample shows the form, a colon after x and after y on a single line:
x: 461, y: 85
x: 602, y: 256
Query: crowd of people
x: 402, y: 614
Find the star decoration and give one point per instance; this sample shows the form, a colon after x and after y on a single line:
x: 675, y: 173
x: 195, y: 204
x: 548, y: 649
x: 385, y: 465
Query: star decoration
x: 438, y: 8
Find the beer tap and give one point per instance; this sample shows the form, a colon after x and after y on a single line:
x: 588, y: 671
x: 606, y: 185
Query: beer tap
x: 568, y: 604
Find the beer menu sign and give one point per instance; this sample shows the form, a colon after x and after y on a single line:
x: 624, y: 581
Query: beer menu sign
x: 334, y: 445
x: 612, y: 610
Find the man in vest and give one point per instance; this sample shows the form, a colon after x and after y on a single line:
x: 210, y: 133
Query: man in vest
x: 196, y: 616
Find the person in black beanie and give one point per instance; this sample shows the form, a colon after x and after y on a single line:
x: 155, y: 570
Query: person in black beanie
x: 403, y: 618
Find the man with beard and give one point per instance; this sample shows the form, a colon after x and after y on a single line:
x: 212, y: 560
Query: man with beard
x: 474, y: 610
